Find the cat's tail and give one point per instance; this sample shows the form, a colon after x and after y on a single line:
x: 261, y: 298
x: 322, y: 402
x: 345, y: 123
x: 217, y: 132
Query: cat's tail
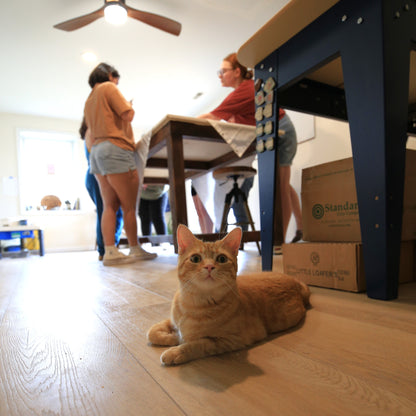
x: 306, y: 294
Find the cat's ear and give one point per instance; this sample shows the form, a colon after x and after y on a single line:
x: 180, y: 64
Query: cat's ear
x: 233, y: 240
x: 185, y: 238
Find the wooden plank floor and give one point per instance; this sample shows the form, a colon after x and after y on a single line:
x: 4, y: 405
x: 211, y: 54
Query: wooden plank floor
x: 72, y: 342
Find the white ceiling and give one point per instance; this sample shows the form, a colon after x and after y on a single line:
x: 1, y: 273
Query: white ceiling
x: 43, y: 72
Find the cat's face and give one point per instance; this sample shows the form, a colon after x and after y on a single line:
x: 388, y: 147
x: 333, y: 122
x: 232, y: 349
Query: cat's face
x: 206, y: 266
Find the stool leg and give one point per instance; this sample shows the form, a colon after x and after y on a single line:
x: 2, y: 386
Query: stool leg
x: 251, y: 222
x: 227, y: 206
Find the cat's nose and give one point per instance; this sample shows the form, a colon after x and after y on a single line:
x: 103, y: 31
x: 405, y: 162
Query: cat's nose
x: 209, y: 267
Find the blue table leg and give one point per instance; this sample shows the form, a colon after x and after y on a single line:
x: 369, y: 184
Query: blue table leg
x: 269, y: 190
x: 374, y: 39
x: 376, y: 78
x: 266, y: 168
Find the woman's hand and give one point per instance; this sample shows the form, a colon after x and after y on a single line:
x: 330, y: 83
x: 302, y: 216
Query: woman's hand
x: 128, y: 115
x: 209, y: 116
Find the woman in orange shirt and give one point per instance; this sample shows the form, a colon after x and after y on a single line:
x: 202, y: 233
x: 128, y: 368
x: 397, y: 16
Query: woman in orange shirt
x: 108, y: 116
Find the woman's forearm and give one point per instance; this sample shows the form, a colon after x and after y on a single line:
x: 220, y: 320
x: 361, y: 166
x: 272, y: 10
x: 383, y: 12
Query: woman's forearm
x: 128, y: 115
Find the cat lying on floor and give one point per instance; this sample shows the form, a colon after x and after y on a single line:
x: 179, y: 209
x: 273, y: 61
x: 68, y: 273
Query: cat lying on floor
x: 215, y: 311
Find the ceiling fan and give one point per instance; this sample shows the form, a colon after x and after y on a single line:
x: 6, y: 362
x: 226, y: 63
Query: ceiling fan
x: 155, y: 20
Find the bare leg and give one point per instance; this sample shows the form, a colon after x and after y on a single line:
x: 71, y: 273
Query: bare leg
x: 297, y: 212
x: 111, y: 205
x: 126, y: 187
x: 121, y: 189
x: 204, y: 219
x: 284, y: 172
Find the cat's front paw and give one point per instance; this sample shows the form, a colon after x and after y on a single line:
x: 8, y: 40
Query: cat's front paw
x: 162, y: 338
x: 173, y: 356
x: 163, y: 333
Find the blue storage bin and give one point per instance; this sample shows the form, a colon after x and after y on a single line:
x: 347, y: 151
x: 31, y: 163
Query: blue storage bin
x: 10, y: 235
x: 10, y: 249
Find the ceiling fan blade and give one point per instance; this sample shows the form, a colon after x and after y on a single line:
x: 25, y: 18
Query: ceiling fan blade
x: 80, y: 21
x: 155, y: 20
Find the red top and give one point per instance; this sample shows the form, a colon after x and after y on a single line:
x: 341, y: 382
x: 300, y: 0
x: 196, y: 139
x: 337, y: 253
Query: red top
x: 238, y: 106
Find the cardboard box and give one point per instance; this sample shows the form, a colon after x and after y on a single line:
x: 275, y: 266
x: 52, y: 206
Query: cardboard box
x: 330, y: 207
x: 337, y: 265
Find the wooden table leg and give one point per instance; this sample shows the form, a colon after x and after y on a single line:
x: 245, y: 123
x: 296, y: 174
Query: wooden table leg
x: 176, y: 168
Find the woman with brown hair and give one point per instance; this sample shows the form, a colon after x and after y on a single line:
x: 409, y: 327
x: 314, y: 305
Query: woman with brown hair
x: 239, y: 107
x: 108, y: 116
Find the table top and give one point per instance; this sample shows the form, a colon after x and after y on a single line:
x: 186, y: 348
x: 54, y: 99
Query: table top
x: 203, y: 147
x: 184, y: 119
x: 193, y: 138
x: 289, y: 21
x: 196, y: 121
x: 285, y: 24
x: 206, y: 148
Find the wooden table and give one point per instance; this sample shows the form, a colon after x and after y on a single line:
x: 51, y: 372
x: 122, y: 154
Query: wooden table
x: 183, y: 148
x: 347, y: 60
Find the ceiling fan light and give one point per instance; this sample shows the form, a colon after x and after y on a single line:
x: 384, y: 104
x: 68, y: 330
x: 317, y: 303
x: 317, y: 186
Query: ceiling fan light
x: 115, y: 14
x: 89, y: 56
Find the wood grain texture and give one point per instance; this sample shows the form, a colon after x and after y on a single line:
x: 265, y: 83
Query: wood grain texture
x: 73, y: 342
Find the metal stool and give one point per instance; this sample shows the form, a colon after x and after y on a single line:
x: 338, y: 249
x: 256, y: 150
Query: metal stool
x: 235, y: 173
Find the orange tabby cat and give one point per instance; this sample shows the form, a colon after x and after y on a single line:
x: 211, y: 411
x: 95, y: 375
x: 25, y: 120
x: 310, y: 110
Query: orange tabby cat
x: 213, y: 311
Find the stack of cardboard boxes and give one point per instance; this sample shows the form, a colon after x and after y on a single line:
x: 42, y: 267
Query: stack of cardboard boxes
x: 331, y: 255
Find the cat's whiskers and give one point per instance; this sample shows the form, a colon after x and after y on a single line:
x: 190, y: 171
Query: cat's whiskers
x: 184, y: 286
x: 237, y: 295
x: 189, y: 287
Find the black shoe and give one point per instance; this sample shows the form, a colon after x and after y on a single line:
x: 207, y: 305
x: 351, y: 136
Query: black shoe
x: 298, y: 236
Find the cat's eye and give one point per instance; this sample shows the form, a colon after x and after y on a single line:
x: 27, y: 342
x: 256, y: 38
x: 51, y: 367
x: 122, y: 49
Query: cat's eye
x: 221, y: 258
x: 195, y: 258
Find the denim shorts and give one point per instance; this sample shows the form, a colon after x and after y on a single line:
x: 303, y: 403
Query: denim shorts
x: 287, y: 143
x: 107, y: 158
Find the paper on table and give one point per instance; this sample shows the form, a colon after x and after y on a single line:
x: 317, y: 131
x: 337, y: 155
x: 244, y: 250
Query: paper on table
x: 238, y: 136
x: 142, y: 150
